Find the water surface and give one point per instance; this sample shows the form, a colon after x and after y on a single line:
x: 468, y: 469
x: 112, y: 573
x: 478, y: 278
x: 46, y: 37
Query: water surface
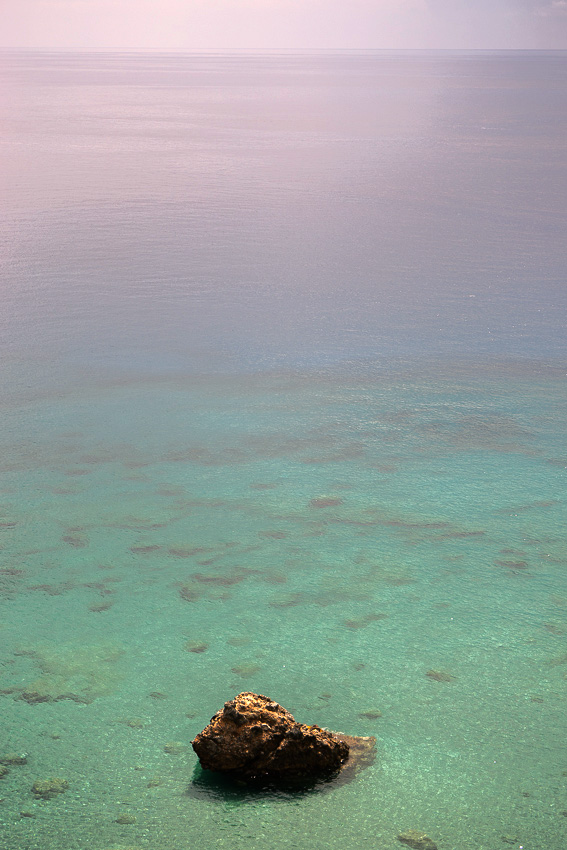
x: 283, y: 381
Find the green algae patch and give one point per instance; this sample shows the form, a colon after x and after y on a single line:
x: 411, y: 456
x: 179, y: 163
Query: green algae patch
x: 14, y: 758
x: 46, y: 789
x: 246, y: 670
x: 78, y: 673
x: 197, y: 646
x: 440, y: 676
x: 125, y: 819
x: 175, y: 748
x: 417, y: 840
x: 371, y: 714
x: 124, y: 847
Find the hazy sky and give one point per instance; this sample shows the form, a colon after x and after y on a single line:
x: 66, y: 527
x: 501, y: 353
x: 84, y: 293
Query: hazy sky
x: 201, y: 24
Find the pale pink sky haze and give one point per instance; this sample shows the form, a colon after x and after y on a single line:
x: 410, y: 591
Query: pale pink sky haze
x: 262, y: 24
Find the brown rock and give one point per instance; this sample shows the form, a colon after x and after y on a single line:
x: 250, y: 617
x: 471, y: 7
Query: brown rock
x: 255, y: 740
x: 417, y: 840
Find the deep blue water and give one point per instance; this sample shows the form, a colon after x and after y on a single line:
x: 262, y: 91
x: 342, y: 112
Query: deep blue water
x: 283, y: 343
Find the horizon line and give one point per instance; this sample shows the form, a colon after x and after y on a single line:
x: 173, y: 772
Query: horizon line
x: 181, y: 51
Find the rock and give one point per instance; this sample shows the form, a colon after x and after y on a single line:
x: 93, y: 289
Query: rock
x: 440, y: 676
x: 246, y: 670
x: 125, y: 819
x: 417, y: 840
x: 99, y: 607
x: 371, y: 714
x: 14, y: 758
x: 124, y: 847
x: 49, y: 788
x: 175, y: 748
x: 326, y: 502
x: 197, y: 646
x: 362, y: 753
x: 33, y: 697
x: 255, y: 740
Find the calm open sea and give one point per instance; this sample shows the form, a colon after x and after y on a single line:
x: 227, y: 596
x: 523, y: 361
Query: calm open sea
x: 283, y: 408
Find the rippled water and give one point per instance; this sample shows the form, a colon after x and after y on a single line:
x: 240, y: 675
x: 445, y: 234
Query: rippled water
x: 283, y: 409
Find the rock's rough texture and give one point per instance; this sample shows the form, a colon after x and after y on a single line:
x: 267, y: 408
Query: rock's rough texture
x: 255, y: 740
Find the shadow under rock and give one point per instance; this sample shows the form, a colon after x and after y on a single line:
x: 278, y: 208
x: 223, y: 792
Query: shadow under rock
x: 208, y: 785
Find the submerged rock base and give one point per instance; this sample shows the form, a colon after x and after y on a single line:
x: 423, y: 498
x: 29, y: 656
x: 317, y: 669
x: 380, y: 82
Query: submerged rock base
x: 362, y: 753
x: 255, y: 740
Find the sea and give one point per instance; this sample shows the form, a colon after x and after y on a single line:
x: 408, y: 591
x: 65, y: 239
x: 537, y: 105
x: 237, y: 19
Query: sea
x: 283, y: 359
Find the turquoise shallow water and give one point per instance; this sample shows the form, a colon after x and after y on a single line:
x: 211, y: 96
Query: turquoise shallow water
x: 329, y: 539
x: 283, y: 409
